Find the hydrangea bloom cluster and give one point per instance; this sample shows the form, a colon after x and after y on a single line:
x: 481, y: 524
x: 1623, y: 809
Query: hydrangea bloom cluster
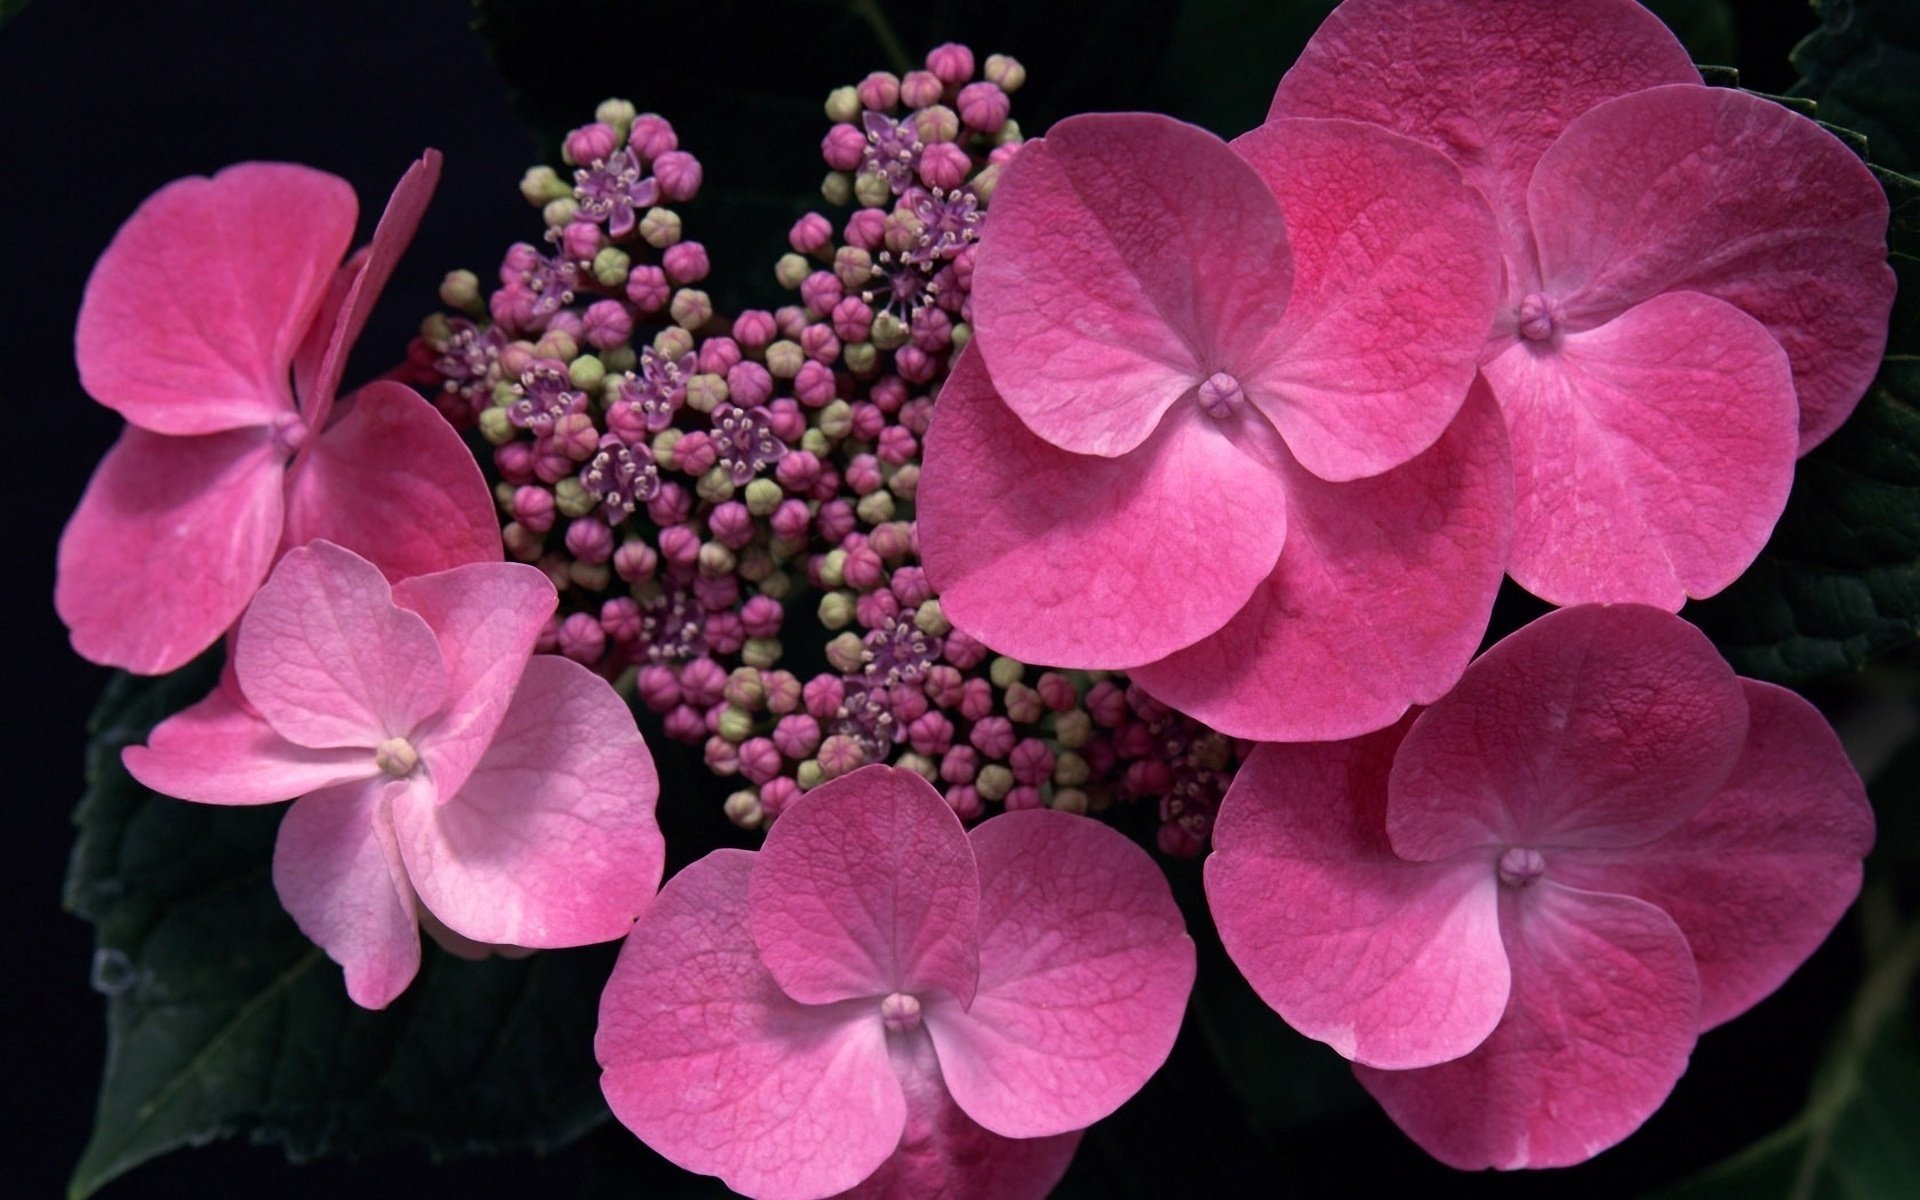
x: 878, y: 1000
x: 1517, y: 912
x: 699, y: 487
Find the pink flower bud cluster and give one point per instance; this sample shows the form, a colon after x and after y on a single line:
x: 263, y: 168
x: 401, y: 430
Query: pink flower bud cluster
x: 700, y: 488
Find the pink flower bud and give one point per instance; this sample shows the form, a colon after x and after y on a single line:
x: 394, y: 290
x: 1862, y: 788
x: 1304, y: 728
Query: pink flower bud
x: 1176, y: 841
x: 749, y: 384
x: 820, y: 291
x: 703, y: 682
x: 944, y: 165
x: 1098, y: 752
x: 868, y: 421
x: 944, y: 686
x: 820, y: 344
x: 685, y: 262
x: 879, y: 91
x: 620, y: 617
x: 1133, y: 740
x: 962, y: 650
x: 1031, y: 761
x: 965, y: 802
x: 717, y: 593
x: 892, y: 543
x: 718, y: 355
x: 722, y: 757
x: 867, y: 229
x: 842, y: 148
x: 863, y: 570
x: 777, y: 794
x: 670, y: 505
x: 983, y: 106
x: 852, y: 319
x: 551, y: 463
x: 790, y: 319
x: 1023, y: 704
x: 783, y: 691
x: 864, y: 475
x: 580, y: 241
x: 958, y: 764
x: 759, y: 760
x: 1022, y: 798
x: 1148, y: 777
x: 1057, y: 691
x: 835, y: 520
x: 515, y: 462
x: 909, y: 703
x: 648, y: 288
x: 606, y: 324
x: 549, y: 636
x: 754, y: 328
x: 680, y: 545
x: 827, y: 486
x: 916, y: 414
x: 951, y: 62
x: 813, y: 233
x: 823, y: 695
x: 679, y: 175
x: 581, y: 638
x: 875, y: 609
x: 589, y: 540
x: 791, y: 519
x: 1106, y: 704
x: 694, y: 453
x: 725, y: 634
x: 575, y: 436
x: 762, y: 616
x: 658, y: 687
x: 992, y: 736
x: 918, y: 89
x: 897, y: 445
x: 685, y: 724
x: 932, y: 330
x: 797, y: 736
x: 731, y: 524
x: 1144, y: 706
x: 533, y: 508
x: 915, y: 364
x: 590, y: 144
x: 911, y: 588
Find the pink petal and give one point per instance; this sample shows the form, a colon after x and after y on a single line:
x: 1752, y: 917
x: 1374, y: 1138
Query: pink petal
x: 1080, y: 560
x: 308, y: 359
x: 944, y: 1153
x: 1760, y: 876
x: 193, y: 314
x: 552, y: 841
x: 1085, y: 966
x: 216, y: 752
x: 1381, y: 596
x: 1592, y: 726
x: 1651, y: 455
x: 1393, y: 964
x: 329, y: 660
x: 716, y: 1068
x: 339, y: 876
x: 867, y: 886
x: 392, y: 481
x: 1130, y: 256
x: 1718, y: 191
x: 390, y: 238
x: 170, y: 541
x: 485, y: 617
x: 1596, y: 1034
x: 1491, y: 83
x: 1396, y: 273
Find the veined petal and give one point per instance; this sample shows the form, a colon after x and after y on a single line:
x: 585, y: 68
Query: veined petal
x: 170, y: 541
x: 192, y: 316
x: 216, y: 752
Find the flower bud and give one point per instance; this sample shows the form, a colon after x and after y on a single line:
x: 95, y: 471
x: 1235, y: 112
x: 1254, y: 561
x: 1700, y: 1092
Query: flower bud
x: 743, y: 809
x: 543, y: 185
x: 660, y: 228
x: 983, y: 106
x: 843, y: 104
x: 679, y: 175
x: 993, y: 782
x: 837, y: 188
x: 951, y: 63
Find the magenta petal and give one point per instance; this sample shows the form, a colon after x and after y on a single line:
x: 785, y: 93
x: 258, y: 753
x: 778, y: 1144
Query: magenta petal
x: 170, y: 541
x: 1758, y: 877
x: 192, y: 316
x: 485, y: 617
x: 1079, y: 560
x: 945, y: 1153
x: 390, y: 238
x: 1381, y: 596
x: 1718, y: 191
x: 1651, y: 455
x: 1085, y: 966
x: 1597, y: 1032
x: 867, y: 886
x: 1592, y: 726
x: 1395, y: 276
x: 216, y: 752
x: 392, y: 481
x: 552, y: 841
x: 328, y: 658
x: 1393, y: 964
x: 716, y: 1068
x: 1491, y: 83
x: 1130, y: 256
x: 339, y: 876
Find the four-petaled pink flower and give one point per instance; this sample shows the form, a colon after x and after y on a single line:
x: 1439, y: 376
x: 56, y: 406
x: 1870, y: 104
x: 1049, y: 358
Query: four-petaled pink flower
x: 1696, y: 278
x: 1215, y: 425
x: 878, y: 1000
x: 1516, y: 912
x: 218, y: 323
x: 444, y: 772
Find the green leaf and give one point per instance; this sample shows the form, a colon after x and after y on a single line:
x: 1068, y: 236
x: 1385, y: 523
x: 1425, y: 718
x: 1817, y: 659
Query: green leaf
x: 1856, y: 1140
x: 1863, y: 66
x: 223, y: 1020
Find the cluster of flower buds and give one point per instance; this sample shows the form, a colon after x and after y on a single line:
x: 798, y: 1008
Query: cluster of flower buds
x: 704, y: 491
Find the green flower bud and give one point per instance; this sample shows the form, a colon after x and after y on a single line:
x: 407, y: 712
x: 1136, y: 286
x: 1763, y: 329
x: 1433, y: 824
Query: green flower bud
x: 837, y: 609
x: 1069, y: 800
x: 435, y: 330
x: 755, y: 564
x: 1070, y: 770
x: 503, y: 496
x: 690, y: 308
x: 872, y: 190
x: 735, y: 724
x: 1005, y: 672
x: 495, y: 427
x: 905, y: 480
x: 985, y: 183
x: 845, y: 653
x: 522, y: 543
x: 853, y: 267
x: 461, y: 290
x: 920, y: 765
x: 743, y: 809
x: 777, y: 586
x: 620, y: 359
x: 572, y: 498
x: 889, y: 332
x: 1009, y: 134
x: 586, y: 372
x: 1005, y: 72
x: 715, y: 560
x: 875, y: 508
x: 837, y: 188
x: 761, y: 653
x: 1212, y: 752
x: 843, y: 105
x: 663, y: 444
x: 809, y: 775
x: 816, y: 443
x: 745, y: 689
x: 502, y: 393
x: 660, y: 228
x: 674, y: 342
x: 763, y: 496
x: 833, y: 567
x: 961, y: 335
x: 542, y: 185
x: 862, y: 358
x: 706, y: 392
x: 715, y: 487
x: 617, y: 113
x: 558, y: 214
x: 993, y: 781
x: 557, y: 343
x: 611, y: 266
x: 937, y: 124
x: 791, y: 270
x: 594, y: 577
x: 835, y: 420
x: 931, y: 620
x: 785, y: 358
x: 1071, y: 729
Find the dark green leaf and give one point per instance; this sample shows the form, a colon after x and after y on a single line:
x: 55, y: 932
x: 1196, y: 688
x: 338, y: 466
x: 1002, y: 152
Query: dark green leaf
x: 223, y: 1020
x: 1863, y: 66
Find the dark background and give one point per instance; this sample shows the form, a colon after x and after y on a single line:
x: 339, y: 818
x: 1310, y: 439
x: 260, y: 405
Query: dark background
x: 103, y: 101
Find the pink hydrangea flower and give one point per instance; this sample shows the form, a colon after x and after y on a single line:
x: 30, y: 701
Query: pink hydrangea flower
x: 445, y: 775
x: 1517, y: 912
x: 1215, y: 426
x: 1696, y: 278
x: 879, y: 1001
x: 218, y: 323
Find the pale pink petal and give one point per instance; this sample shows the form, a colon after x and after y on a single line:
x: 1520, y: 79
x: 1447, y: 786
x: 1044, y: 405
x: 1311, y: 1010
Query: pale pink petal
x: 1719, y: 191
x: 1591, y: 726
x: 1651, y: 455
x: 328, y: 658
x: 1760, y: 876
x: 390, y: 238
x: 552, y: 841
x: 1392, y: 963
x: 339, y: 876
x: 1395, y: 275
x: 1489, y: 82
x: 1085, y: 966
x: 216, y: 752
x: 170, y: 541
x: 1130, y: 257
x: 193, y: 314
x: 1381, y: 596
x: 392, y: 481
x: 1597, y: 1032
x: 485, y: 617
x: 867, y: 886
x: 717, y: 1069
x: 946, y: 1155
x: 312, y: 353
x: 1084, y: 561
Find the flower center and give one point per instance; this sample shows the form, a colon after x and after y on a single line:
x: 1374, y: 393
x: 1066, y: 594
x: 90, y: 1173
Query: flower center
x: 901, y: 1012
x: 397, y: 757
x: 1540, y: 317
x: 289, y: 433
x: 1519, y: 866
x: 1220, y: 395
